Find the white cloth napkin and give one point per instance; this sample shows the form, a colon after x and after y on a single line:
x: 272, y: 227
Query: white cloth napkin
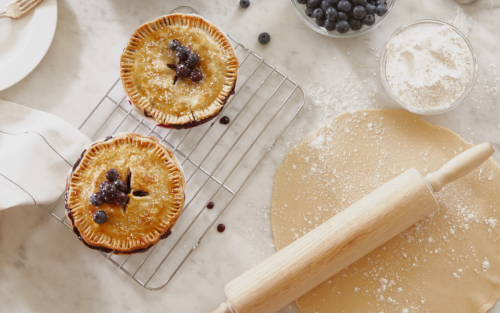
x: 37, y: 150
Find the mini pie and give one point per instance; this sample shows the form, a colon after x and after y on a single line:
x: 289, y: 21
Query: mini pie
x: 155, y: 194
x: 149, y: 82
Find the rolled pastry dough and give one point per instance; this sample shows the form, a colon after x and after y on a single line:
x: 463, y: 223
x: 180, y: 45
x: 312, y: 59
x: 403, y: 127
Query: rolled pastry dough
x: 448, y: 262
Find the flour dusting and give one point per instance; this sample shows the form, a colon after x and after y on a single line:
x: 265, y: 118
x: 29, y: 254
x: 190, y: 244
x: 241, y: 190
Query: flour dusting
x: 428, y: 66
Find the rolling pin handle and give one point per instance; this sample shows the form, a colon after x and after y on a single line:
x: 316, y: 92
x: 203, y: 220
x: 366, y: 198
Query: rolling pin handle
x: 460, y: 166
x: 223, y: 308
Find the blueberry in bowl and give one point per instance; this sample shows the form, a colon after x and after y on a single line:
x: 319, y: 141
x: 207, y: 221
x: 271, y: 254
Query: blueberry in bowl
x: 343, y: 18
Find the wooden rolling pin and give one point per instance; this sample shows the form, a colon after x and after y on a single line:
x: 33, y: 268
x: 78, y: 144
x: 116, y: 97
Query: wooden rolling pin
x: 346, y: 237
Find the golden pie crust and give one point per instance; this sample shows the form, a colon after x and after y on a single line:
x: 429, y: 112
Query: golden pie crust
x: 149, y: 83
x: 145, y: 219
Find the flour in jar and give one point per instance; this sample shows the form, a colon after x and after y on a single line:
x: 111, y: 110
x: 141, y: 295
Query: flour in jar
x: 428, y: 66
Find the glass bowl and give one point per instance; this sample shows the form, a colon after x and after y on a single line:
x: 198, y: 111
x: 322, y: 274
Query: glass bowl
x: 301, y: 11
x: 420, y: 111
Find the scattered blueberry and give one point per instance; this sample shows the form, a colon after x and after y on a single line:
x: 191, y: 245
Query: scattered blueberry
x: 309, y: 12
x: 221, y: 228
x: 100, y: 217
x: 344, y: 6
x: 173, y: 67
x: 355, y: 24
x: 319, y: 13
x: 327, y: 4
x: 244, y: 3
x: 182, y: 70
x: 192, y: 60
x: 359, y: 2
x: 359, y: 12
x: 210, y: 205
x: 330, y: 25
x: 112, y: 175
x: 96, y: 199
x: 121, y: 198
x: 196, y: 76
x: 369, y: 20
x: 174, y: 44
x: 264, y: 38
x: 320, y: 21
x: 331, y: 14
x: 381, y: 9
x: 370, y: 8
x: 342, y: 26
x: 224, y: 120
x: 120, y: 185
x: 183, y: 53
x: 313, y: 3
x: 342, y: 16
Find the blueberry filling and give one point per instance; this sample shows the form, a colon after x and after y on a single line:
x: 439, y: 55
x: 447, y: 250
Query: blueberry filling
x: 114, y: 190
x: 183, y: 53
x: 121, y: 198
x: 196, y: 76
x: 129, y: 181
x: 187, y: 62
x: 174, y: 44
x: 120, y: 185
x: 97, y: 199
x: 192, y: 60
x: 100, y: 217
x: 139, y: 193
x: 112, y: 175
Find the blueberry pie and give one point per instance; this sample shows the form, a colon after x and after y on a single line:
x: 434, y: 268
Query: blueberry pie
x: 179, y: 70
x: 124, y: 194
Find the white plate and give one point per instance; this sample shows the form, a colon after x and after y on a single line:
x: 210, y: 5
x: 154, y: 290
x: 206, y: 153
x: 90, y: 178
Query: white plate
x: 24, y: 41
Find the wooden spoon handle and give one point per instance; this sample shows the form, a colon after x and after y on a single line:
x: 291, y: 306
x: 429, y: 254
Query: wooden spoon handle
x: 223, y: 308
x: 460, y: 166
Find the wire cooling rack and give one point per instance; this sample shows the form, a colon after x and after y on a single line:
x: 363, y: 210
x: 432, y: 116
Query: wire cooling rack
x: 217, y: 159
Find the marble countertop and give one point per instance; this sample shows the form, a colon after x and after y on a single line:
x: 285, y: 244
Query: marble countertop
x: 42, y: 266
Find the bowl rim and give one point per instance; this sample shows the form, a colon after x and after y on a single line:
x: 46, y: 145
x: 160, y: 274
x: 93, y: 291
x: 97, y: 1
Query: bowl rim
x: 466, y: 92
x: 334, y: 34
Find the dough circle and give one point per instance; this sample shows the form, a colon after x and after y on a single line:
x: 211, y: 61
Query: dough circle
x: 448, y: 262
